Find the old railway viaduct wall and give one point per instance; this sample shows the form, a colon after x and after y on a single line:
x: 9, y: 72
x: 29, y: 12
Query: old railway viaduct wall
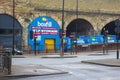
x: 93, y: 15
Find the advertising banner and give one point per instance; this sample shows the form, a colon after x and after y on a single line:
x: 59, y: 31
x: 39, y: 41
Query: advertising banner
x: 46, y: 29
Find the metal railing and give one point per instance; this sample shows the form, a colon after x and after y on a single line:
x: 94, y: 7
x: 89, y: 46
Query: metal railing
x: 72, y: 48
x: 5, y: 62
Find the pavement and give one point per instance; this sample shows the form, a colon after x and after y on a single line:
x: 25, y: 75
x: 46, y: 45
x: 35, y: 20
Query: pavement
x: 45, y: 56
x: 104, y: 62
x: 32, y: 70
x: 112, y: 62
x: 58, y: 56
x: 28, y: 70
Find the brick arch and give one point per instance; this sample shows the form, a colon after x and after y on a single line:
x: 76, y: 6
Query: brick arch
x: 98, y: 20
x: 80, y: 27
x: 110, y: 28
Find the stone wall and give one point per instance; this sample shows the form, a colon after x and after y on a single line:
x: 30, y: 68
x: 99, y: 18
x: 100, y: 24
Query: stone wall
x: 97, y: 12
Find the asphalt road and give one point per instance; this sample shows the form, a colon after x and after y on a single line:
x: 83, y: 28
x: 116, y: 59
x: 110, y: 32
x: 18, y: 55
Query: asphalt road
x: 76, y: 70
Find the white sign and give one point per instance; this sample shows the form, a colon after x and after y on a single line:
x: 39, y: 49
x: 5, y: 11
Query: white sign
x: 39, y: 38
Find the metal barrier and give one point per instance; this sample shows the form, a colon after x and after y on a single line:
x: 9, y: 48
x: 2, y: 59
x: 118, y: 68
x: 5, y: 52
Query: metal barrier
x: 27, y: 49
x: 1, y: 62
x: 5, y: 62
x: 78, y: 48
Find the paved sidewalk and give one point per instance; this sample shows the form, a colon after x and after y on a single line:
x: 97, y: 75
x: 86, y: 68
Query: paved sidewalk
x: 45, y: 56
x: 58, y: 56
x: 40, y: 70
x: 105, y: 62
x: 32, y: 70
x: 27, y: 70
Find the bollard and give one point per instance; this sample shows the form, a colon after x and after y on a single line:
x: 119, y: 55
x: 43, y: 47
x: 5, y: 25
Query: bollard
x: 8, y: 61
x: 117, y: 54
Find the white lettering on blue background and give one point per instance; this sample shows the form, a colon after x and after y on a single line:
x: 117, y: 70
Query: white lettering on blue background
x: 48, y: 31
x: 46, y: 24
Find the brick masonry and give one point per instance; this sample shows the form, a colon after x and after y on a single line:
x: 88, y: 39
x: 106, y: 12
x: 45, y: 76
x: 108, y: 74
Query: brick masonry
x: 98, y: 13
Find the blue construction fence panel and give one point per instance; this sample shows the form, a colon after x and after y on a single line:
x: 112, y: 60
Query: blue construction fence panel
x: 95, y: 39
x: 67, y: 43
x: 111, y: 39
x: 81, y: 40
x: 101, y: 39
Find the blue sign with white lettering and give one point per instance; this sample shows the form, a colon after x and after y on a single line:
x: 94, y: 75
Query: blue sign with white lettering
x: 47, y: 31
x: 111, y: 39
x: 96, y: 39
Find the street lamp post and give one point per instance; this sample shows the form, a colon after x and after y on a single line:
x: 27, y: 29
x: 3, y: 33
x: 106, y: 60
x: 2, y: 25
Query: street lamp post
x: 76, y: 26
x: 62, y: 53
x: 35, y: 37
x: 117, y: 30
x: 71, y: 37
x: 13, y: 26
x: 77, y: 9
x: 117, y: 46
x: 105, y: 32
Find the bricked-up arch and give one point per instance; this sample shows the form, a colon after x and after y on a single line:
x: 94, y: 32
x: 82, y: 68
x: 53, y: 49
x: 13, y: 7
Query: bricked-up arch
x: 110, y: 27
x: 6, y: 32
x: 80, y: 27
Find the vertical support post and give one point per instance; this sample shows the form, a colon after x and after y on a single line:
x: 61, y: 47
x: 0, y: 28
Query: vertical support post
x: 71, y: 37
x: 35, y: 36
x: 35, y: 45
x: 77, y: 9
x: 62, y: 53
x: 106, y: 43
x: 71, y: 47
x: 76, y: 26
x: 105, y: 34
x: 117, y: 46
x: 13, y: 27
x: 9, y: 62
x: 117, y: 30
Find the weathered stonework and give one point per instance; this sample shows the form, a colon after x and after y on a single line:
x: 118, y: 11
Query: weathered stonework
x: 98, y: 15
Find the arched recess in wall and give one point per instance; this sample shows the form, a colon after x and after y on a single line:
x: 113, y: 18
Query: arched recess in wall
x: 6, y: 32
x: 110, y: 28
x: 80, y: 27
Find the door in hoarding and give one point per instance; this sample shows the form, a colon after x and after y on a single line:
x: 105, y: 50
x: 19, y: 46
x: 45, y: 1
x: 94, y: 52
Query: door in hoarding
x: 49, y: 44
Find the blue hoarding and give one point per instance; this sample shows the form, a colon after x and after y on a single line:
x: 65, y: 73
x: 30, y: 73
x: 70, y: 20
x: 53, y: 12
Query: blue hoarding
x: 67, y: 43
x: 111, y: 38
x: 96, y: 39
x: 45, y: 28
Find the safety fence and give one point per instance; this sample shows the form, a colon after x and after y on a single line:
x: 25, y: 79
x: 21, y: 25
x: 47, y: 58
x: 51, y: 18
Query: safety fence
x: 74, y: 47
x: 98, y: 47
x: 47, y: 49
x: 5, y: 62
